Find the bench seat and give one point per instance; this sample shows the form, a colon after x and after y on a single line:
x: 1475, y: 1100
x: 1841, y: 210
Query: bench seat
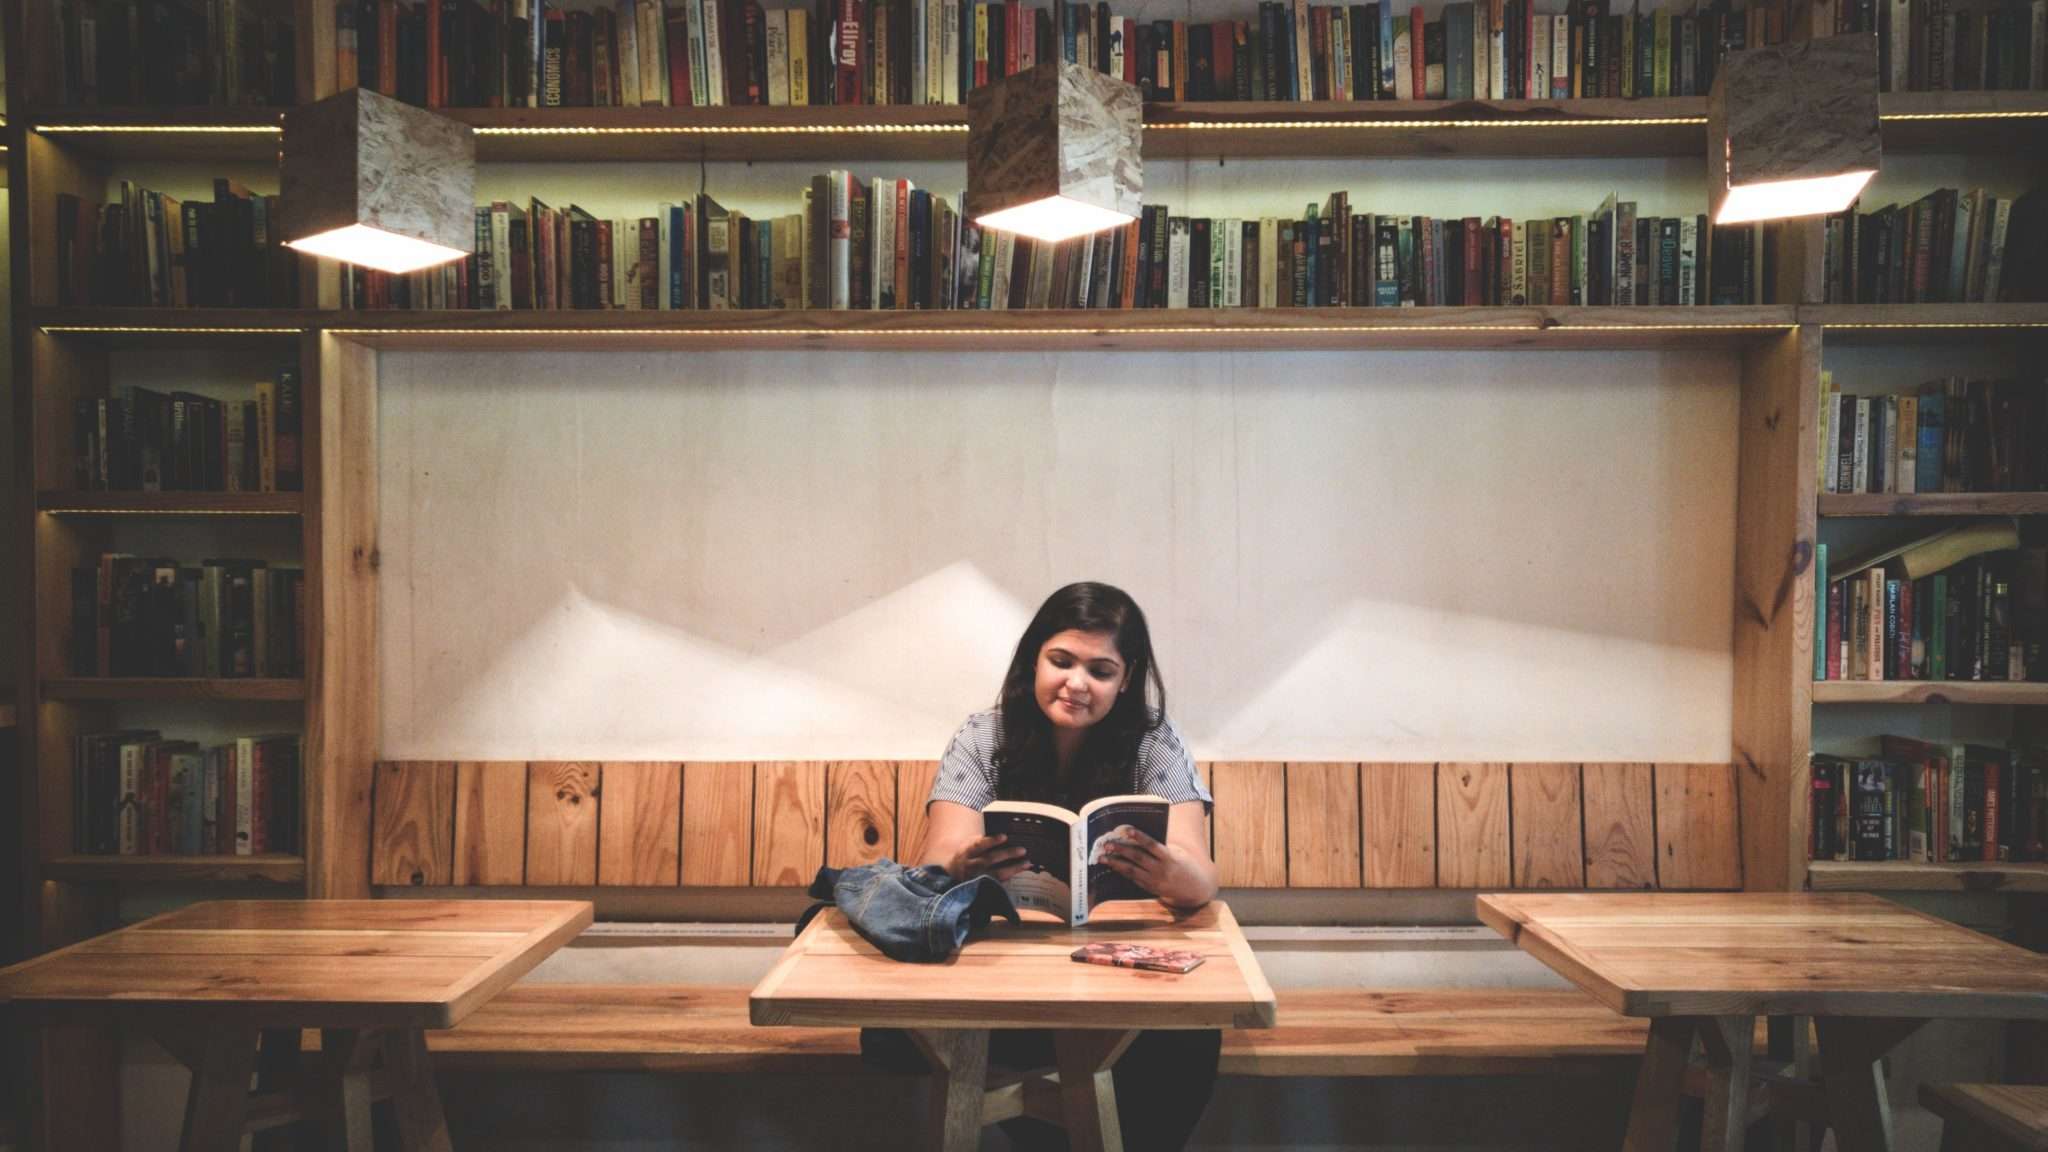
x: 2000, y: 1117
x: 1322, y: 1032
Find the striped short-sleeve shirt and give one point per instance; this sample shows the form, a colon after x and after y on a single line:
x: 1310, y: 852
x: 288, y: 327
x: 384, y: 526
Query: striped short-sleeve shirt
x: 967, y: 773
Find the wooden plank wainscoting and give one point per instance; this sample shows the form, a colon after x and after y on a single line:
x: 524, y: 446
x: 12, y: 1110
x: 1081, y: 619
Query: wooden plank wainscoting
x: 1276, y: 824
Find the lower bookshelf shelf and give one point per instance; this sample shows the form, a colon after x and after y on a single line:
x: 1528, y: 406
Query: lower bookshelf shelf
x: 268, y: 869
x: 1929, y: 692
x: 1907, y: 876
x: 172, y: 688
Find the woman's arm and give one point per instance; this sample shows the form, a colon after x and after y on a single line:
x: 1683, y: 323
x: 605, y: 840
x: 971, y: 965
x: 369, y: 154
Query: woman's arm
x: 953, y: 840
x: 1179, y: 871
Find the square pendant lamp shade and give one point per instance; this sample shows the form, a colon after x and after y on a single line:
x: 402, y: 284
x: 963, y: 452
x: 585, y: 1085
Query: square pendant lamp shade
x: 1792, y: 129
x: 376, y: 182
x: 1052, y: 152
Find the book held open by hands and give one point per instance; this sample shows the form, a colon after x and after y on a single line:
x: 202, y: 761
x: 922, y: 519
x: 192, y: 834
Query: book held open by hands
x: 1064, y: 871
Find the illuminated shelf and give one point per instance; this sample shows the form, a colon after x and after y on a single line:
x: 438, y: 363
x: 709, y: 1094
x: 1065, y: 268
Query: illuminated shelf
x: 1934, y: 504
x: 171, y: 688
x: 170, y: 503
x: 1046, y: 329
x: 1675, y: 126
x: 269, y: 329
x: 1925, y: 323
x: 1929, y: 692
x: 1905, y: 876
x: 268, y: 868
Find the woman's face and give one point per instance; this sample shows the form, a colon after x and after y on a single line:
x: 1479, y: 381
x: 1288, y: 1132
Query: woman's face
x: 1079, y: 676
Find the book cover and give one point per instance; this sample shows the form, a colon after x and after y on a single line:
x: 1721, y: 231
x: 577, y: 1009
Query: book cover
x: 1064, y: 872
x: 1138, y: 956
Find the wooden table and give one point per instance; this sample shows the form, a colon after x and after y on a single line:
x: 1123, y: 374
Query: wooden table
x: 372, y: 975
x: 1706, y: 965
x: 1022, y: 977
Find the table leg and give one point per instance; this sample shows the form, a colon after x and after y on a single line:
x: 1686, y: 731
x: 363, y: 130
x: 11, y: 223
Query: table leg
x: 217, y: 1105
x: 1653, y: 1116
x: 1850, y: 1048
x: 345, y: 1055
x: 1087, y: 1092
x: 959, y: 1060
x: 421, y: 1126
x: 1729, y: 1042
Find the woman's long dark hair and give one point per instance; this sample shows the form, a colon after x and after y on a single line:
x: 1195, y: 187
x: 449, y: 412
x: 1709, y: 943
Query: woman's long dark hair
x: 1024, y: 760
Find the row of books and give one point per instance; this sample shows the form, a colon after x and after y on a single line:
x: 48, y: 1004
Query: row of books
x: 1983, y: 617
x: 149, y: 248
x: 139, y: 794
x: 1930, y: 803
x: 150, y: 616
x: 888, y: 244
x: 1952, y: 435
x: 1948, y: 246
x: 141, y: 440
x: 169, y: 53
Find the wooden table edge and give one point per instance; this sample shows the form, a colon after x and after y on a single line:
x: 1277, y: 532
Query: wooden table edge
x: 759, y: 1011
x: 536, y: 946
x: 1265, y: 1007
x: 1495, y: 912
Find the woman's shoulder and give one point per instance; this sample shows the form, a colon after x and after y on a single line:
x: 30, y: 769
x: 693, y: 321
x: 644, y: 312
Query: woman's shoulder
x: 1162, y: 737
x: 979, y: 734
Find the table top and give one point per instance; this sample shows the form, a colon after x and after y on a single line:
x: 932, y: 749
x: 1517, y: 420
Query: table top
x: 1023, y: 976
x: 303, y: 963
x: 1770, y: 953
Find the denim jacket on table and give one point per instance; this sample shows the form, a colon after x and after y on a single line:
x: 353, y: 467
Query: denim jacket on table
x: 920, y: 914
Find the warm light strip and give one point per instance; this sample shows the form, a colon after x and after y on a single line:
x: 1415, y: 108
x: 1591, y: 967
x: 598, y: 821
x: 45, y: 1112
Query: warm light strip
x: 986, y: 333
x: 2025, y: 114
x: 1384, y: 125
x: 125, y: 329
x: 723, y: 130
x: 69, y: 511
x: 1938, y: 324
x: 186, y: 129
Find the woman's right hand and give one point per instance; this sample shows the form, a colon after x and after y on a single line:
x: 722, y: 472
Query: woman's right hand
x: 986, y: 856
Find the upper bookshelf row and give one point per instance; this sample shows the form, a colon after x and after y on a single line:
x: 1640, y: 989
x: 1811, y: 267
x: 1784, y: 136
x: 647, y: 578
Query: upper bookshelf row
x: 2005, y: 123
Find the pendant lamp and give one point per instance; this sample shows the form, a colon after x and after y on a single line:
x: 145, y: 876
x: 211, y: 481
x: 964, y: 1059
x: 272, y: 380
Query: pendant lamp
x: 379, y: 183
x: 1053, y: 152
x: 1792, y: 129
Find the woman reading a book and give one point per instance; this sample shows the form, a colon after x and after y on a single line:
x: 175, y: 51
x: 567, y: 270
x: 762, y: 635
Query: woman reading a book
x: 1082, y: 715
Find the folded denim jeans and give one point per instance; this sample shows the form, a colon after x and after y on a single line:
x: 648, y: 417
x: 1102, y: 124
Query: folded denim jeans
x: 920, y: 915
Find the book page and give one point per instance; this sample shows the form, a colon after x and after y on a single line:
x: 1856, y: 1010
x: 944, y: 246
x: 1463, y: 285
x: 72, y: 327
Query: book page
x: 1104, y: 821
x: 1044, y: 833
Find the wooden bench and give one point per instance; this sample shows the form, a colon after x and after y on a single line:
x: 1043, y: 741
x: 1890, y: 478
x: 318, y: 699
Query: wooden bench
x: 1989, y: 1117
x: 1323, y: 1032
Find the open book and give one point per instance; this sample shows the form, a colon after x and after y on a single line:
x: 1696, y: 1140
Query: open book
x: 1065, y: 874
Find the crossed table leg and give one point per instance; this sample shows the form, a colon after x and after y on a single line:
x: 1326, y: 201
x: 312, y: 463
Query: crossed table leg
x: 1852, y: 1080
x: 1083, y: 1100
x: 333, y: 1088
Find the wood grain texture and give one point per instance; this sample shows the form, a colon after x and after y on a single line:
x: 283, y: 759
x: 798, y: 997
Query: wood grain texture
x: 296, y: 963
x: 1322, y: 825
x: 561, y: 822
x: 860, y: 812
x: 2006, y: 692
x: 1022, y: 976
x: 913, y: 790
x: 1400, y: 825
x: 2017, y: 1113
x: 415, y: 823
x: 1544, y: 819
x: 490, y: 822
x: 342, y: 719
x: 639, y: 823
x: 1904, y: 876
x: 1697, y: 827
x: 789, y: 822
x: 1621, y: 839
x: 718, y: 824
x: 1472, y: 826
x: 1251, y: 823
x: 1770, y: 954
x: 1772, y: 721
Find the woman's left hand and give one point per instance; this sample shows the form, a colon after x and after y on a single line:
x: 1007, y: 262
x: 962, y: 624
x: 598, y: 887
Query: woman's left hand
x: 1164, y: 870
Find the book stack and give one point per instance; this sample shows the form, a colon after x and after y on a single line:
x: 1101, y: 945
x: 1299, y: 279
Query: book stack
x: 886, y: 243
x: 1951, y: 435
x: 536, y: 53
x: 149, y: 616
x: 138, y: 794
x: 1946, y: 247
x: 142, y: 440
x: 167, y: 54
x: 1967, y: 603
x: 1930, y: 803
x: 151, y: 249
